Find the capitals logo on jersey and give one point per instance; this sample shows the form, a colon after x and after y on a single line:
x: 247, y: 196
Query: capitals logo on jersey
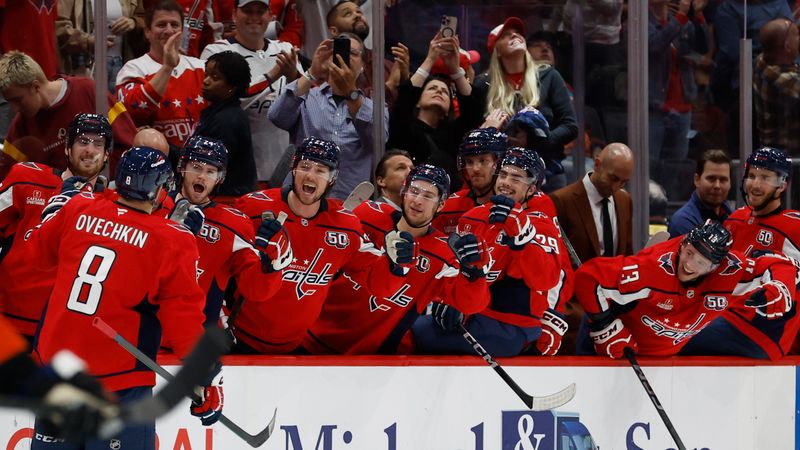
x: 307, y: 277
x: 673, y: 330
x: 734, y: 265
x: 665, y: 261
x: 399, y: 298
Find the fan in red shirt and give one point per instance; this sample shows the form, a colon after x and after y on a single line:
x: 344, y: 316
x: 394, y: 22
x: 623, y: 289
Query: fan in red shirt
x: 325, y: 239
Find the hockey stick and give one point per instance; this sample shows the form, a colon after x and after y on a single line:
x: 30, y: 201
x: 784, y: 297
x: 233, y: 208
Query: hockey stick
x: 360, y: 194
x: 650, y: 393
x: 253, y: 440
x: 211, y: 346
x: 534, y: 403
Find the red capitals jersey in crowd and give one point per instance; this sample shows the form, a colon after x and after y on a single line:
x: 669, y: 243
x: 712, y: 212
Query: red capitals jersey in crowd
x: 136, y: 271
x: 663, y: 312
x: 226, y: 250
x: 30, y: 27
x: 355, y: 321
x: 322, y: 245
x: 23, y: 196
x: 778, y: 232
x: 537, y: 267
x: 454, y: 207
x: 175, y: 113
x: 46, y: 132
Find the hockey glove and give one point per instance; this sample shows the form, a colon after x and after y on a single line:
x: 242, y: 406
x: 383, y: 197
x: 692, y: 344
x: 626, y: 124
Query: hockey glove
x: 208, y: 405
x: 69, y: 188
x: 772, y: 300
x: 612, y: 339
x: 553, y: 328
x: 447, y: 317
x: 78, y: 405
x: 274, y: 246
x: 401, y: 250
x: 517, y: 227
x: 188, y: 215
x: 471, y: 254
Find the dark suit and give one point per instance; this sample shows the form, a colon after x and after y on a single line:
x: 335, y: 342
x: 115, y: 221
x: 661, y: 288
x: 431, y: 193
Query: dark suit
x: 575, y: 217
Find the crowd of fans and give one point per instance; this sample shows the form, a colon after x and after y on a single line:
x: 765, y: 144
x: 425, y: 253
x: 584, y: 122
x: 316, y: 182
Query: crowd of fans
x: 255, y: 78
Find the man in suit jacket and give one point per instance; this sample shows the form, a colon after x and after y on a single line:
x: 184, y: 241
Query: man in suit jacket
x: 580, y: 206
x: 580, y: 213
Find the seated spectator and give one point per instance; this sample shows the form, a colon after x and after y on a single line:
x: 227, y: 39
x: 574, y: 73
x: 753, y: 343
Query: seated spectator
x: 162, y: 88
x: 75, y: 36
x: 423, y: 119
x: 335, y: 110
x: 515, y: 81
x: 45, y: 108
x: 273, y: 64
x: 776, y: 87
x: 390, y: 176
x: 712, y: 182
x: 226, y: 82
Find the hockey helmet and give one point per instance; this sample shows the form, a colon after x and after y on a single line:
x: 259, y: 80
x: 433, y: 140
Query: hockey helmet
x: 205, y: 150
x: 432, y: 174
x: 770, y: 158
x: 141, y: 171
x: 479, y: 142
x: 525, y: 159
x: 90, y: 123
x: 711, y: 239
x: 533, y: 122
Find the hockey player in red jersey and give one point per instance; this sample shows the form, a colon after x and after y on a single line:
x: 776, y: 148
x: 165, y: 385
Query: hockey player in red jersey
x: 23, y: 196
x: 355, y: 321
x: 761, y: 227
x: 655, y: 301
x: 524, y: 244
x: 137, y: 271
x: 476, y: 161
x: 325, y: 239
x: 225, y: 240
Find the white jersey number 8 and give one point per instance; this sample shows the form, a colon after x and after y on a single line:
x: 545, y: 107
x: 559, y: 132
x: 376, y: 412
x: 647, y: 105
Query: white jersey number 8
x: 84, y: 297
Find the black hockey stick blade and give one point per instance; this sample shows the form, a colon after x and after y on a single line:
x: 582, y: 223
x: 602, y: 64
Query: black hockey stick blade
x: 545, y: 403
x: 212, y: 345
x: 653, y: 398
x: 254, y: 440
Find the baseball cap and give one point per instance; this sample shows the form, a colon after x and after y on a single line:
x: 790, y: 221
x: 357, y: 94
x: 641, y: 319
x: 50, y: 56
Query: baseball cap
x: 513, y: 22
x: 465, y: 59
x: 240, y: 3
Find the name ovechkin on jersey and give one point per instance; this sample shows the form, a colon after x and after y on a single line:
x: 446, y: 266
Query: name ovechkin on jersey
x: 308, y: 277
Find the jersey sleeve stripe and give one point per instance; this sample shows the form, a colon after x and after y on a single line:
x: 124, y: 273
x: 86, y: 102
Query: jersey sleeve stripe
x: 115, y: 111
x: 604, y: 294
x: 12, y: 151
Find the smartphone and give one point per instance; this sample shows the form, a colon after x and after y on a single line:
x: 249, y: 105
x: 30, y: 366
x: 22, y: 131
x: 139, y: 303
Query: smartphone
x: 341, y: 47
x: 448, y: 27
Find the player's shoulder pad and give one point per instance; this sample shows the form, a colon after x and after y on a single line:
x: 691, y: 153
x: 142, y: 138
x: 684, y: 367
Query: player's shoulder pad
x: 792, y: 214
x: 179, y: 227
x: 234, y: 212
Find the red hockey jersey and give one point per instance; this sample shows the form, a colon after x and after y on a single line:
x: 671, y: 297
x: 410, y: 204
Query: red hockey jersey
x: 454, y: 207
x: 226, y: 250
x: 661, y: 312
x: 23, y: 196
x: 778, y: 232
x: 322, y: 245
x: 355, y: 321
x: 175, y: 113
x: 136, y: 271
